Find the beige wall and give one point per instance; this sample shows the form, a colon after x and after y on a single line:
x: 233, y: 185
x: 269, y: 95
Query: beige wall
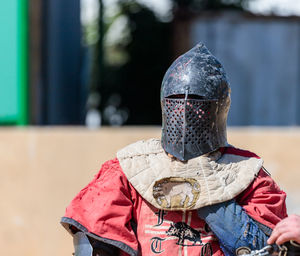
x: 43, y: 168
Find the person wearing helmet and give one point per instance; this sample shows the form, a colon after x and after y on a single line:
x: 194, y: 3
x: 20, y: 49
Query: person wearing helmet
x: 190, y: 193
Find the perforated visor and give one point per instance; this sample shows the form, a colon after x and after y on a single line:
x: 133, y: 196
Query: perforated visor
x: 189, y: 127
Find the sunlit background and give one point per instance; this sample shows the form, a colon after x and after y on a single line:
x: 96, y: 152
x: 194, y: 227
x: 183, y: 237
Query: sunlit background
x: 81, y: 79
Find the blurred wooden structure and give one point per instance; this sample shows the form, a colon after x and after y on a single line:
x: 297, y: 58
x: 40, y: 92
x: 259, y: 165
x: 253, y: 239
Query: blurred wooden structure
x: 261, y: 57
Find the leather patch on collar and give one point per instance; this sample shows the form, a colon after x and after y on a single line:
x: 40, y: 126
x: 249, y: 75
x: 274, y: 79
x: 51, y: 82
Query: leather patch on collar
x: 176, y: 192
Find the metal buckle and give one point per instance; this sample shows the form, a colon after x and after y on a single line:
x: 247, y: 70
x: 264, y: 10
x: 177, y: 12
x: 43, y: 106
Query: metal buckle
x: 267, y: 250
x: 283, y: 250
x: 294, y: 243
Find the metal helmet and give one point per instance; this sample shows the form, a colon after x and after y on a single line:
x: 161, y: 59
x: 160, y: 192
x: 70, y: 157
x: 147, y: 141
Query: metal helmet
x: 195, y: 99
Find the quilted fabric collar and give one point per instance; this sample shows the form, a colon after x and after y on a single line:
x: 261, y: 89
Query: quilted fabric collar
x: 174, y: 185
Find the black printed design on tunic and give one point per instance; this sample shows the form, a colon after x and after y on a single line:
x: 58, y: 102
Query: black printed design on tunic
x: 156, y: 245
x: 206, y: 250
x: 207, y: 228
x: 160, y: 217
x: 184, y: 232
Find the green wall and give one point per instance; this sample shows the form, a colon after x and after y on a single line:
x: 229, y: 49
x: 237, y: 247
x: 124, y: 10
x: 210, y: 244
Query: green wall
x: 13, y: 62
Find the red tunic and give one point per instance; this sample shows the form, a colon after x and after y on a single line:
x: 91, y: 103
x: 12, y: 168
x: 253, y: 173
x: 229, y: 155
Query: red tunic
x: 111, y: 210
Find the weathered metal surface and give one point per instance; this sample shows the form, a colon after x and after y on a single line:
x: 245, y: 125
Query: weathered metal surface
x: 195, y: 99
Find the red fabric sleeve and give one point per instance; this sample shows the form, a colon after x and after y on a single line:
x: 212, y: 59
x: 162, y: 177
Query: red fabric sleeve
x: 104, y: 207
x: 263, y: 200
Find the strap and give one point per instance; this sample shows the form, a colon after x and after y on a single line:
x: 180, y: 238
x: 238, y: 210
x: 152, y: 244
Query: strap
x: 82, y: 245
x: 230, y: 218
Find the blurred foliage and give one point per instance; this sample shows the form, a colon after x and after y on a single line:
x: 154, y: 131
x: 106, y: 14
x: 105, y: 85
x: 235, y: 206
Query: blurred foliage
x: 134, y: 67
x: 136, y: 49
x: 200, y: 5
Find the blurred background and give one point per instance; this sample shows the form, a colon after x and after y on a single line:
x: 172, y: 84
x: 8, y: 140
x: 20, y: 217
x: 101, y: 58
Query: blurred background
x: 80, y: 79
